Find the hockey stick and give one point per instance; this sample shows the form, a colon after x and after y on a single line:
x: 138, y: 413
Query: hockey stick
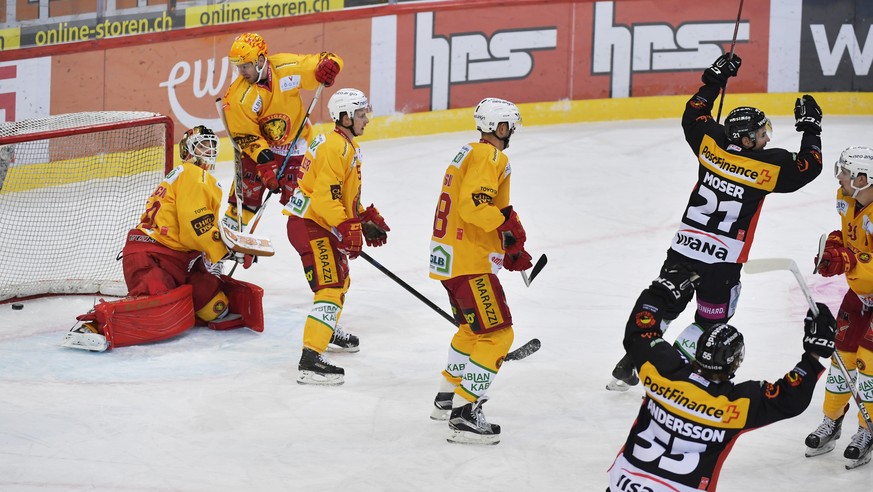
x: 237, y: 164
x: 821, y: 247
x: 771, y: 264
x: 517, y: 354
x: 257, y: 217
x: 540, y: 264
x: 730, y: 57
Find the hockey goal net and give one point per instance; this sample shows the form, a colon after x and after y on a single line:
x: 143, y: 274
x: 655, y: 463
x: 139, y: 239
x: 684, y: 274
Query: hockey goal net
x: 71, y: 186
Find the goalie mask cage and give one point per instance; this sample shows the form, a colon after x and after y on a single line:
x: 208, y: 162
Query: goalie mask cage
x: 71, y: 186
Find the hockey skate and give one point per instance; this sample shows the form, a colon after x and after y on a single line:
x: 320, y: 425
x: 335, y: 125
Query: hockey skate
x: 85, y: 337
x: 468, y: 425
x: 824, y: 439
x: 859, y: 449
x: 342, y: 341
x: 442, y: 406
x: 315, y: 369
x: 624, y: 375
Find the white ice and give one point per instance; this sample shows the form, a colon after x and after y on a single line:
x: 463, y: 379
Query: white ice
x: 221, y: 411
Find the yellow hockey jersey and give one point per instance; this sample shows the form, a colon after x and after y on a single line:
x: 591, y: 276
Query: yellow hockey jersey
x: 329, y: 181
x: 268, y: 114
x: 857, y: 228
x: 182, y: 213
x: 475, y: 188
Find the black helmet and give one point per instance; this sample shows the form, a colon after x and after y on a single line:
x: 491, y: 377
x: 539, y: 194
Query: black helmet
x: 745, y: 121
x: 720, y: 349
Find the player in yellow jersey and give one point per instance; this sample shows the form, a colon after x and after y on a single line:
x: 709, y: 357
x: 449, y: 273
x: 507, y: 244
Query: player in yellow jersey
x: 166, y: 262
x: 476, y: 232
x: 263, y: 109
x: 849, y: 252
x: 327, y: 225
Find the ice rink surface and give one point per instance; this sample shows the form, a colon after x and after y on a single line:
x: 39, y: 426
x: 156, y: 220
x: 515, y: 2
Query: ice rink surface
x: 221, y: 411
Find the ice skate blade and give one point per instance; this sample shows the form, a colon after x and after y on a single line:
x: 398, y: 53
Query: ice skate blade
x: 464, y: 437
x: 863, y: 460
x: 311, y: 377
x: 93, y: 342
x: 617, y: 385
x: 827, y: 448
x: 349, y: 350
x: 439, y: 414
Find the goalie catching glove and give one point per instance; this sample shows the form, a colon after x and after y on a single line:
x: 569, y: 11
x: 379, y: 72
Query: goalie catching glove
x: 511, y: 232
x: 374, y: 226
x: 819, y: 331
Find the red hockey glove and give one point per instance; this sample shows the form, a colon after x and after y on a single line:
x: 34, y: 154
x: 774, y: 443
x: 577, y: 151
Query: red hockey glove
x: 268, y: 176
x: 327, y: 71
x: 352, y: 239
x: 834, y: 240
x: 375, y: 228
x: 518, y: 262
x: 836, y: 261
x: 512, y: 232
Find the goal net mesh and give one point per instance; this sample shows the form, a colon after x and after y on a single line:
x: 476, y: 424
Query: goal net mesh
x: 71, y: 186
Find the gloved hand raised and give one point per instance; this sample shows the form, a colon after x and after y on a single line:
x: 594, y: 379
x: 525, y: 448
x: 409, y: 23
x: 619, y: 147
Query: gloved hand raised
x: 676, y: 283
x: 819, y: 331
x: 807, y: 115
x: 511, y: 232
x: 375, y: 228
x: 722, y: 69
x: 836, y: 261
x: 326, y: 71
x: 351, y: 237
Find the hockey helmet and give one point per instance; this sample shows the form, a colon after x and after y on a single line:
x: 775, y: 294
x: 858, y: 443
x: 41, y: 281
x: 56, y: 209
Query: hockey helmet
x: 347, y: 101
x: 200, y: 146
x: 491, y: 111
x: 246, y: 48
x: 720, y: 350
x: 745, y: 121
x: 855, y: 161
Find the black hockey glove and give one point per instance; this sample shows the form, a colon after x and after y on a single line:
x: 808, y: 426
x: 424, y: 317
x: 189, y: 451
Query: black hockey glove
x: 721, y: 70
x: 676, y: 283
x: 807, y: 115
x: 818, y: 332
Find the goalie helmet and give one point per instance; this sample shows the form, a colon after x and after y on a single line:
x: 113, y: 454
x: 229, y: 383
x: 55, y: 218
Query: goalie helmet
x: 200, y: 146
x: 347, y: 101
x: 745, y: 121
x: 720, y: 350
x: 855, y: 161
x: 491, y: 111
x: 246, y: 48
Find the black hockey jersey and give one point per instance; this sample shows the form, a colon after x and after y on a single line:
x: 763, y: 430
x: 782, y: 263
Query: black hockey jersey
x: 719, y: 222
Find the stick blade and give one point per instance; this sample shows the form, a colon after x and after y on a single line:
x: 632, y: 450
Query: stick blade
x: 761, y: 265
x: 525, y: 350
x: 535, y: 270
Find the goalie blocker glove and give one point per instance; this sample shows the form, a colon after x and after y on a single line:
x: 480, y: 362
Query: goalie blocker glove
x: 819, y: 331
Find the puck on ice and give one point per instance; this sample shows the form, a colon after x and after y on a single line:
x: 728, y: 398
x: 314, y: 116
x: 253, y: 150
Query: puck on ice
x: 18, y: 307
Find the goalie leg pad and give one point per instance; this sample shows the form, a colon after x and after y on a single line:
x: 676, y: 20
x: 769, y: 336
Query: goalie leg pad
x: 246, y: 300
x: 146, y: 319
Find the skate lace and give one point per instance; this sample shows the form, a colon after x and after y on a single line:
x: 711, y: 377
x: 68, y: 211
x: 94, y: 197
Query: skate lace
x: 862, y: 438
x: 479, y: 415
x: 340, y: 334
x: 826, y: 428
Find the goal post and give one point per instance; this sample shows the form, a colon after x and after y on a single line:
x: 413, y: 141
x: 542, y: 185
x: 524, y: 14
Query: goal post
x: 71, y: 186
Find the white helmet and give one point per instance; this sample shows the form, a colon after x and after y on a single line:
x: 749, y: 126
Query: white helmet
x: 200, y: 146
x: 347, y: 101
x: 856, y: 161
x: 492, y: 111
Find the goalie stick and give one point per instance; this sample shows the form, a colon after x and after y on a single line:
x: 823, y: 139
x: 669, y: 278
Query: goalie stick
x: 773, y: 264
x: 517, y: 354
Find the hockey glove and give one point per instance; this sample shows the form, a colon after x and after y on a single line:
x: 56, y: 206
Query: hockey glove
x: 818, y: 332
x: 326, y: 71
x: 721, y: 69
x: 807, y: 115
x: 375, y: 228
x: 676, y: 283
x: 351, y: 238
x: 268, y: 176
x: 511, y: 232
x: 518, y: 262
x: 836, y: 261
x: 834, y: 240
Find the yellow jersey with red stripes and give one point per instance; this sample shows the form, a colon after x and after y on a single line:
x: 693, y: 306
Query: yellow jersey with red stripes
x: 475, y: 188
x: 183, y: 212
x: 857, y: 229
x: 329, y: 181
